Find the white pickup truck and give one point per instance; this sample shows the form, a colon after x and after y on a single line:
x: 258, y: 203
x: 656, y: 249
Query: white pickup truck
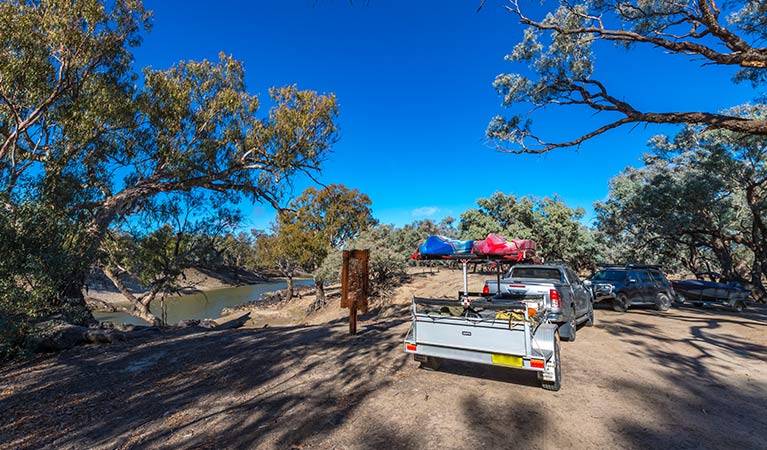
x: 568, y: 300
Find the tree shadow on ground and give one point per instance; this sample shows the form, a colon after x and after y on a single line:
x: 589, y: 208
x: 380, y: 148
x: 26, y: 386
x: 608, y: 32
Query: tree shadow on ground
x: 490, y: 373
x: 272, y: 387
x: 704, y: 407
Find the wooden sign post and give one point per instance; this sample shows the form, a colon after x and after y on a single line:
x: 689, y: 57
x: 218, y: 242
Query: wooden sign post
x: 354, y: 284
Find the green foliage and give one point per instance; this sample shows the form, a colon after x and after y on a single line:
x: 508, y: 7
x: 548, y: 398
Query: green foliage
x: 289, y: 249
x: 91, y: 151
x: 335, y: 214
x: 553, y: 225
x: 174, y: 235
x: 405, y: 240
x: 39, y: 247
x: 698, y: 203
x: 557, y: 62
x: 325, y: 220
x: 387, y: 262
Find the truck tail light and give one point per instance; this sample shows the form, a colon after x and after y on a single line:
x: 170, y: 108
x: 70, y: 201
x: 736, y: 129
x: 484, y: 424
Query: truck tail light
x: 410, y: 347
x: 537, y: 363
x: 485, y: 290
x: 554, y: 296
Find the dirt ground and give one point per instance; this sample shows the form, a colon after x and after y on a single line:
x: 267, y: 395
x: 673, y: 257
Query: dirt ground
x: 688, y: 378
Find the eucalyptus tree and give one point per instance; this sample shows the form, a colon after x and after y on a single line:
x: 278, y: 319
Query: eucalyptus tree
x: 328, y: 219
x: 560, y: 51
x: 82, y: 134
x: 387, y: 263
x: 555, y: 226
x: 166, y: 238
x: 700, y: 198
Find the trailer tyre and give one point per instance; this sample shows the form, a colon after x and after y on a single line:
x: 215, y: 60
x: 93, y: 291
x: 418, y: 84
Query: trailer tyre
x: 662, y: 303
x: 431, y: 363
x: 557, y: 383
x: 619, y: 303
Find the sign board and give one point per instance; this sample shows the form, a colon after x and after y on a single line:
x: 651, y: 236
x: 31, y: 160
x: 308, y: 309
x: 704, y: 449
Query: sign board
x: 354, y: 284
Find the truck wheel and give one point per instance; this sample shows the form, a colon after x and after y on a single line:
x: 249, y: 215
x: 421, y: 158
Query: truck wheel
x: 619, y: 303
x: 431, y: 363
x: 557, y: 383
x: 662, y: 303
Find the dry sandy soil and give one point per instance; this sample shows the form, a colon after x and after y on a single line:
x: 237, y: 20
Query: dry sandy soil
x: 683, y: 379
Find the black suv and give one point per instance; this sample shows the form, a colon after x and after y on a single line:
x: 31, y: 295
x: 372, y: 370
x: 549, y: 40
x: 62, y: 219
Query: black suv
x: 632, y: 284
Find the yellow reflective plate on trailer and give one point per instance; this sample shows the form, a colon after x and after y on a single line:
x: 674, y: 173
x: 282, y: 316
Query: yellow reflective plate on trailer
x: 506, y: 360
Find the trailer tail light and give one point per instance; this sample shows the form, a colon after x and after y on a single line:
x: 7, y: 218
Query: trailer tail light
x: 486, y: 290
x: 554, y: 296
x: 410, y: 347
x: 537, y: 363
x: 531, y: 311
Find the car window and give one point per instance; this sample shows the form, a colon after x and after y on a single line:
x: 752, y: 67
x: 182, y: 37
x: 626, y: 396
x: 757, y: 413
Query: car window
x: 609, y: 275
x: 643, y: 276
x: 633, y: 275
x: 546, y: 273
x: 572, y: 277
x: 657, y: 276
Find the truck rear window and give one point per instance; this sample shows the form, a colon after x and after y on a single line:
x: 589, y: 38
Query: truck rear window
x: 536, y: 272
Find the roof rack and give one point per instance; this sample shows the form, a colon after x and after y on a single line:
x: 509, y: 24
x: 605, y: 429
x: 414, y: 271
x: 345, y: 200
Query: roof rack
x: 523, y: 257
x: 631, y: 266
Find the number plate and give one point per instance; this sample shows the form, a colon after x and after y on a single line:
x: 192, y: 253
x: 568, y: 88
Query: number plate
x: 506, y: 360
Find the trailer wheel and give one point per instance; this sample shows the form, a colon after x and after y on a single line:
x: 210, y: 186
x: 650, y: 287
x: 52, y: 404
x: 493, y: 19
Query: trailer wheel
x: 662, y: 303
x: 738, y: 307
x: 619, y: 303
x: 557, y: 383
x: 431, y: 363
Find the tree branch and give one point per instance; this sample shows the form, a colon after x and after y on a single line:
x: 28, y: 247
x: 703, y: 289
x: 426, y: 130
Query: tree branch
x: 743, y: 54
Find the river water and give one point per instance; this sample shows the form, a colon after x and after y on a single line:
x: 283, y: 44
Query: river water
x: 202, y: 306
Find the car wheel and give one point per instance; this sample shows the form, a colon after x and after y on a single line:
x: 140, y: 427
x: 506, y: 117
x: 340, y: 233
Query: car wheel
x: 662, y: 303
x: 619, y: 303
x: 557, y: 383
x: 738, y: 307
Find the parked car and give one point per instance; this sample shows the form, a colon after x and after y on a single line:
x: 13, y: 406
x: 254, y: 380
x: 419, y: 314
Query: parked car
x: 700, y: 292
x: 565, y: 294
x: 632, y: 284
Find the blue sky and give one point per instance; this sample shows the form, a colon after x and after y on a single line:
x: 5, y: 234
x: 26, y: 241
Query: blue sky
x: 414, y: 86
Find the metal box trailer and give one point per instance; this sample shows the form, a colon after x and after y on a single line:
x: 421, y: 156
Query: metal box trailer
x: 504, y: 330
